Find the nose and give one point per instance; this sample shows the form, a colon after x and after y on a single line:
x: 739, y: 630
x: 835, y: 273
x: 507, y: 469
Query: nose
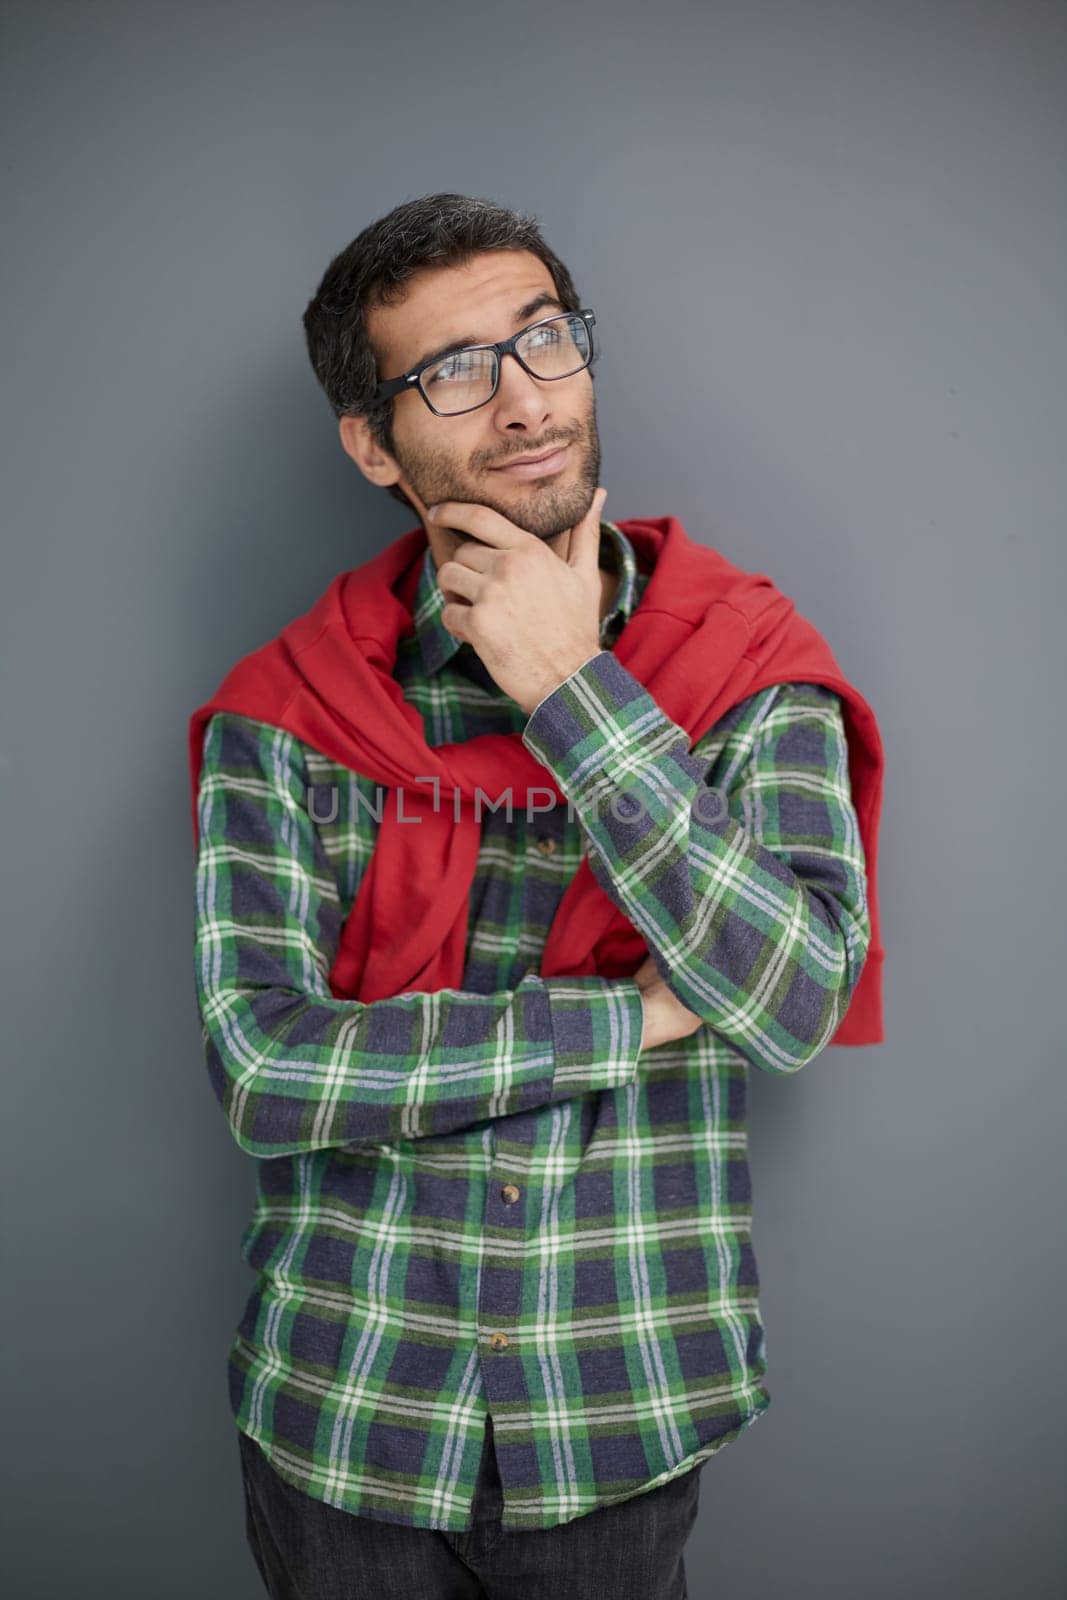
x: 519, y: 397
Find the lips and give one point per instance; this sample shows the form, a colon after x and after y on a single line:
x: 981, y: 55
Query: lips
x: 551, y: 461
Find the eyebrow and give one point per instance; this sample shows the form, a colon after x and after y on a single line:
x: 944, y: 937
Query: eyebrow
x: 538, y: 303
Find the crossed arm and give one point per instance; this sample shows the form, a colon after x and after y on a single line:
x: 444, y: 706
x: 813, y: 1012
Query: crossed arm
x: 739, y: 862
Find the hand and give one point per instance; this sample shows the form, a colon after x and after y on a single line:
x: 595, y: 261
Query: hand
x: 666, y: 1018
x: 532, y: 616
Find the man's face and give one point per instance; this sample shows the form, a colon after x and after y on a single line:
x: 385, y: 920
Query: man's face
x: 459, y: 458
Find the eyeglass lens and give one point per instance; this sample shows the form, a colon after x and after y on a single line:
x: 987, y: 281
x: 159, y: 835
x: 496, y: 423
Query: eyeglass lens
x: 554, y: 349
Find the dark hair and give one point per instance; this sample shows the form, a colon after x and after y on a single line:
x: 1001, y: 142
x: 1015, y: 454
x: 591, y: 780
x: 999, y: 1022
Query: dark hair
x: 438, y: 230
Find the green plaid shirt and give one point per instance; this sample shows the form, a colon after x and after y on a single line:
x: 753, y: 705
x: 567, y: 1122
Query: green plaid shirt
x: 487, y: 1200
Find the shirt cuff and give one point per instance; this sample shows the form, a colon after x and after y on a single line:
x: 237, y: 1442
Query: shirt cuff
x: 584, y: 730
x: 597, y: 1028
x: 559, y: 686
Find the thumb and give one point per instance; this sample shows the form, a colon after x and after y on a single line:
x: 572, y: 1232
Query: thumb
x: 583, y: 548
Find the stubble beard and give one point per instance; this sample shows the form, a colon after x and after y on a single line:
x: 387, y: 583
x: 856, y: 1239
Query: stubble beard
x: 544, y: 508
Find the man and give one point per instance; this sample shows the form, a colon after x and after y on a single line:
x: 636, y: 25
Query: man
x: 493, y: 1063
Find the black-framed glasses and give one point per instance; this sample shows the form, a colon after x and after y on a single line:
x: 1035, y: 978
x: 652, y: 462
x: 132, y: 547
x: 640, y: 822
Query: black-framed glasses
x: 467, y: 377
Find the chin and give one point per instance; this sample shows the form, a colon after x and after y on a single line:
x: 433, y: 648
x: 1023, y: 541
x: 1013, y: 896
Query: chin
x: 551, y: 513
x: 549, y: 525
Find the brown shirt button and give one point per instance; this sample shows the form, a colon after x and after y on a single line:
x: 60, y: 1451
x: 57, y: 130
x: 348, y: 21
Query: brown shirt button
x: 546, y: 846
x: 498, y: 1341
x: 509, y: 1194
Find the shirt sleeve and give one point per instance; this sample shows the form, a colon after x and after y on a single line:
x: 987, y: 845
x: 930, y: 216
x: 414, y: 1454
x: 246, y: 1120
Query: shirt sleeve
x: 740, y: 860
x: 296, y: 1069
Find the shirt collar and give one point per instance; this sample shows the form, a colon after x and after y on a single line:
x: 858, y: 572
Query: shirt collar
x: 438, y: 646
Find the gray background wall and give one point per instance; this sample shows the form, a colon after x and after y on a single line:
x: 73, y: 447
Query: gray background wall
x: 825, y: 243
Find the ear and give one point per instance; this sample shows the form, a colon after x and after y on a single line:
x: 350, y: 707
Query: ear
x: 376, y: 464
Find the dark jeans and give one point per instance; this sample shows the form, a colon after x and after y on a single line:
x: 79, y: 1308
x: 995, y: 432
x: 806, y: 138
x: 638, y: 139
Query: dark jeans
x: 308, y: 1550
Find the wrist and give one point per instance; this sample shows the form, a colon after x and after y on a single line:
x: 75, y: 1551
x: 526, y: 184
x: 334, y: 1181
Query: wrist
x: 559, y: 675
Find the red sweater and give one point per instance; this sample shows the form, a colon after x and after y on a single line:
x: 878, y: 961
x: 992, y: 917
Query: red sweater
x: 705, y: 635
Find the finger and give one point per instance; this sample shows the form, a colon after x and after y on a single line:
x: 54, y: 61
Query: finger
x: 455, y: 616
x: 455, y: 578
x: 481, y: 521
x: 479, y: 557
x: 583, y: 547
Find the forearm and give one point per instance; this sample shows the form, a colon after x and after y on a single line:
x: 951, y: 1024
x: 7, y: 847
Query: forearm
x: 765, y: 944
x: 297, y: 1072
x: 294, y: 1067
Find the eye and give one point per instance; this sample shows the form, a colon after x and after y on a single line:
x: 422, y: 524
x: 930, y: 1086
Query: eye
x: 465, y: 364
